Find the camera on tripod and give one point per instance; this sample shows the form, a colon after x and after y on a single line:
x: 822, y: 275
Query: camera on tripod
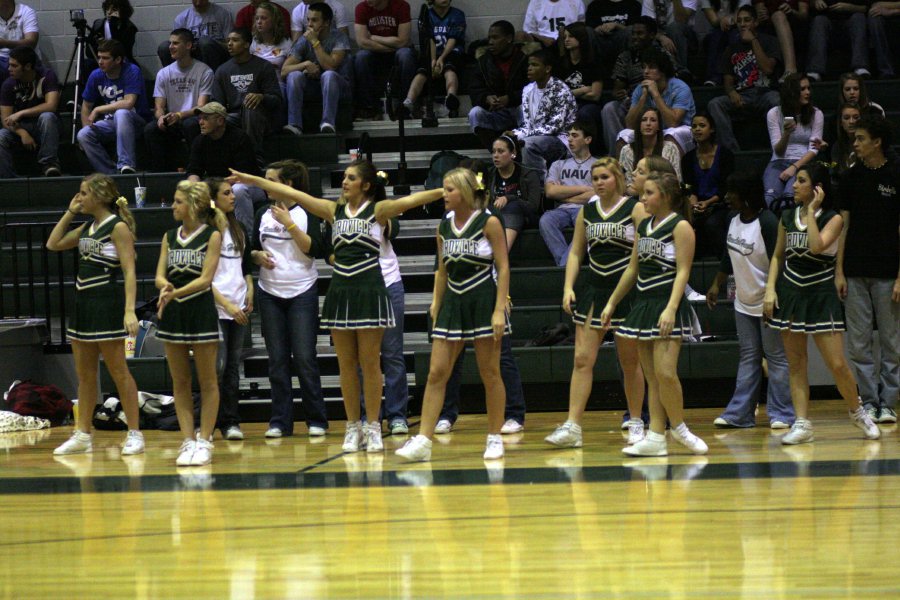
x: 76, y: 16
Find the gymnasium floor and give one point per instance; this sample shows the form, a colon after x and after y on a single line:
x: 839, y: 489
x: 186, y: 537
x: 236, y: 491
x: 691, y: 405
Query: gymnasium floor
x: 296, y: 519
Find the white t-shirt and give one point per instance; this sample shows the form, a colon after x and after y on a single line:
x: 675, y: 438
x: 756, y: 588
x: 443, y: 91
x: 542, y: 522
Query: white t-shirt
x: 182, y: 89
x: 229, y: 278
x: 22, y: 22
x: 276, y: 54
x: 543, y: 17
x: 801, y: 138
x: 294, y: 271
x: 390, y: 265
x: 340, y: 21
x: 648, y: 9
x: 747, y: 250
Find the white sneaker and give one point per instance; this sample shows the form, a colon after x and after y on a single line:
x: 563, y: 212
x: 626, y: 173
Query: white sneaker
x: 693, y: 295
x: 234, y: 433
x: 316, y: 431
x: 443, y: 426
x: 567, y: 435
x: 812, y: 76
x: 861, y: 419
x: 416, y: 449
x: 653, y: 444
x: 399, y: 427
x: 801, y: 432
x: 887, y: 415
x: 690, y: 441
x: 493, y: 449
x: 635, y: 431
x: 862, y: 72
x: 202, y: 453
x: 372, y: 431
x: 185, y: 453
x: 776, y: 424
x: 134, y: 443
x: 353, y: 438
x: 78, y: 443
x: 273, y: 432
x: 512, y: 426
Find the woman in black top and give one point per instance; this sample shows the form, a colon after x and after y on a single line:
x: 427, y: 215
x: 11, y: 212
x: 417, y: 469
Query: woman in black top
x: 115, y: 25
x: 580, y: 72
x: 514, y: 189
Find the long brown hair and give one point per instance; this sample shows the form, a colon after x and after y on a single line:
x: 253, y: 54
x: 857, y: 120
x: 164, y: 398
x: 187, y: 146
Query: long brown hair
x: 234, y: 226
x: 104, y: 188
x: 670, y: 187
x: 637, y: 145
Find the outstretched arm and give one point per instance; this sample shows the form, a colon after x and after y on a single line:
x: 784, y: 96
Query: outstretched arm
x: 388, y: 209
x: 324, y: 209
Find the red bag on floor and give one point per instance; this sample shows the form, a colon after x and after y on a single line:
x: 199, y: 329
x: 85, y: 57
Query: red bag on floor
x: 38, y: 400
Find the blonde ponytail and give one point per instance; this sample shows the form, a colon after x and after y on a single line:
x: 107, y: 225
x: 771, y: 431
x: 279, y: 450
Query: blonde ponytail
x: 103, y: 187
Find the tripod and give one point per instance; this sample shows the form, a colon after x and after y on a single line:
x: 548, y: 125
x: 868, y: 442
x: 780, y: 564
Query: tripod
x: 79, y: 55
x: 428, y: 118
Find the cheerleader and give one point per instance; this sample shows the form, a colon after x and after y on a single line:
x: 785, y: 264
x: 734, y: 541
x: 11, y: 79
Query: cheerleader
x: 188, y: 319
x: 660, y: 263
x: 468, y: 304
x: 232, y: 289
x: 357, y: 308
x: 104, y: 307
x: 605, y: 229
x: 801, y: 299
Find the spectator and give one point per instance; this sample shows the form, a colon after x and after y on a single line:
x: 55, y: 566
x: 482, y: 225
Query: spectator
x: 580, y: 72
x: 222, y: 146
x: 318, y: 67
x: 867, y: 272
x: 268, y: 41
x: 113, y: 108
x: 883, y: 17
x: 661, y: 90
x: 382, y: 30
x: 545, y: 18
x: 650, y: 142
x: 209, y: 23
x: 849, y: 18
x: 548, y: 110
x: 841, y: 151
x: 496, y: 88
x: 115, y: 25
x: 852, y: 90
x: 706, y: 169
x: 340, y: 22
x: 627, y: 74
x: 748, y: 67
x: 18, y: 27
x: 611, y: 20
x: 513, y: 189
x: 248, y: 87
x: 723, y: 32
x: 180, y: 89
x: 448, y: 41
x: 568, y: 184
x: 795, y: 132
x: 29, y: 99
x: 675, y: 18
x: 246, y: 17
x: 784, y: 16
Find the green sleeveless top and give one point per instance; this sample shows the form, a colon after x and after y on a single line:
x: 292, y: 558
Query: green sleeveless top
x: 186, y: 256
x: 98, y: 259
x: 356, y: 239
x: 656, y: 253
x: 802, y: 267
x: 466, y: 253
x: 609, y: 236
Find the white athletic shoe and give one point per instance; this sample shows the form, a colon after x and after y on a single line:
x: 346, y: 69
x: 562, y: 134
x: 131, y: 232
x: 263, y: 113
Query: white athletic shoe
x: 134, y: 443
x: 274, y: 432
x: 443, y: 426
x: 234, y: 433
x: 416, y: 449
x: 372, y: 431
x: 861, y: 419
x: 512, y: 426
x: 202, y: 453
x: 78, y: 443
x: 690, y: 441
x: 185, y: 453
x: 316, y: 431
x: 653, y: 444
x: 635, y: 431
x: 567, y: 435
x: 354, y: 439
x: 493, y: 449
x: 801, y: 432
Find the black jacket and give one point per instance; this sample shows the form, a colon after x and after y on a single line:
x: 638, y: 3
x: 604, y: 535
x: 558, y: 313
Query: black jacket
x: 489, y: 79
x: 124, y: 31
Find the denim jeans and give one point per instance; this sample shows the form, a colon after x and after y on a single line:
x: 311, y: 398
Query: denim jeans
x: 552, y: 224
x: 716, y: 41
x: 44, y: 130
x: 853, y: 27
x: 512, y: 381
x: 774, y: 186
x: 487, y: 124
x: 755, y: 340
x: 290, y: 326
x: 539, y: 151
x: 247, y: 199
x: 329, y: 89
x: 393, y: 365
x: 125, y: 127
x: 879, y: 38
x: 160, y: 142
x: 613, y: 117
x: 757, y: 101
x: 366, y: 63
x: 869, y: 301
x: 228, y: 366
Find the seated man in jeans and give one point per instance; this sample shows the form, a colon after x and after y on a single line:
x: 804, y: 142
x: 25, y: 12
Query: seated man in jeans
x: 317, y: 67
x: 568, y: 184
x: 28, y: 103
x: 114, y: 107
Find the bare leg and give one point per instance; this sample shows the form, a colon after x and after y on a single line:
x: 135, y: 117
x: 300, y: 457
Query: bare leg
x: 785, y: 40
x: 443, y: 357
x: 415, y: 88
x: 657, y: 413
x: 511, y: 235
x: 633, y: 376
x: 451, y: 81
x: 795, y: 351
x: 369, y: 358
x: 345, y: 347
x: 831, y: 347
x: 587, y: 343
x: 180, y: 369
x: 113, y: 352
x: 487, y: 354
x: 205, y: 363
x: 665, y: 363
x: 86, y: 355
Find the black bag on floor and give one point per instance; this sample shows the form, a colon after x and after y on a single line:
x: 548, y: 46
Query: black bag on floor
x: 550, y: 335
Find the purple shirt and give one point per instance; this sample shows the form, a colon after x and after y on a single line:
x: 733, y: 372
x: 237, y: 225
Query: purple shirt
x: 21, y: 95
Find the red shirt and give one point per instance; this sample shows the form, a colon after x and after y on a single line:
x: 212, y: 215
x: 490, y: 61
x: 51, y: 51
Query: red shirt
x: 246, y: 14
x: 504, y: 64
x: 386, y: 22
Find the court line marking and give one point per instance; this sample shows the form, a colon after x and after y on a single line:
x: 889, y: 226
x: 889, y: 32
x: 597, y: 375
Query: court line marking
x: 329, y: 459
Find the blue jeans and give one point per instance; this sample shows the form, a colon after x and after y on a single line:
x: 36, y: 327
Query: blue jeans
x: 228, y: 367
x: 512, y: 381
x: 289, y: 326
x: 869, y: 301
x: 754, y: 341
x: 853, y: 27
x: 497, y: 120
x: 774, y: 186
x: 539, y: 151
x: 366, y: 63
x: 247, y: 200
x: 879, y: 38
x: 393, y: 365
x: 125, y: 127
x: 329, y: 89
x: 44, y: 130
x: 757, y: 101
x: 552, y: 224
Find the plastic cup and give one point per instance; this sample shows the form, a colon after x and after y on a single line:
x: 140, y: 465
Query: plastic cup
x: 140, y: 196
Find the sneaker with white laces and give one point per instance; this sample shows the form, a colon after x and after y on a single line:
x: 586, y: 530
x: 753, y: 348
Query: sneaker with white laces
x: 185, y: 453
x: 861, y: 419
x: 690, y: 441
x: 776, y: 424
x: 316, y: 431
x: 202, y: 453
x: 801, y: 432
x: 234, y: 433
x: 653, y: 444
x: 887, y: 415
x: 78, y: 443
x: 493, y: 449
x: 274, y: 432
x: 443, y: 426
x: 512, y: 426
x: 635, y: 431
x: 134, y: 443
x: 354, y: 441
x: 416, y: 449
x: 399, y: 427
x: 372, y: 432
x: 567, y: 435
x: 873, y: 411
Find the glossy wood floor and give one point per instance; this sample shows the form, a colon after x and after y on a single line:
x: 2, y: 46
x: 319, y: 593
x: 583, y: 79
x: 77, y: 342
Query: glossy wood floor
x: 297, y: 519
